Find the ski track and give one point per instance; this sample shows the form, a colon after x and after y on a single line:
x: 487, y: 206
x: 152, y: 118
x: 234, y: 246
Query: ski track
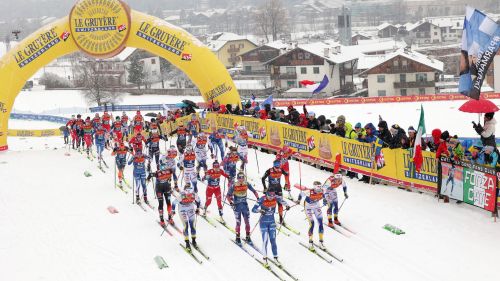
x: 57, y: 225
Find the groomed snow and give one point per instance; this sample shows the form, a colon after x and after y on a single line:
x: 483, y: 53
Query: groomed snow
x: 55, y: 226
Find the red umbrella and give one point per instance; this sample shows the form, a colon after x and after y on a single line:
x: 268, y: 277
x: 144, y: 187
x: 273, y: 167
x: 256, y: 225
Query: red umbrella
x: 478, y: 106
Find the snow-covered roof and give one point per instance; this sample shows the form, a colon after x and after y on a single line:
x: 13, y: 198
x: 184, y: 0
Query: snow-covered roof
x: 417, y: 24
x: 209, y: 13
x: 173, y: 18
x: 384, y: 25
x: 369, y: 61
x: 411, y: 55
x: 218, y: 40
x: 278, y: 44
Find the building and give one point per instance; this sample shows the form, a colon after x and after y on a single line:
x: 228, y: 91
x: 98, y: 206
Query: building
x: 312, y: 62
x: 403, y: 73
x: 253, y: 61
x: 386, y: 30
x: 451, y: 27
x: 228, y: 47
x: 151, y: 65
x: 359, y: 36
x: 424, y: 32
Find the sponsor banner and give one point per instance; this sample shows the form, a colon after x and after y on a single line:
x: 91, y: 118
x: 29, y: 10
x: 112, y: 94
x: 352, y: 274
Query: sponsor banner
x: 473, y: 184
x: 406, y: 169
x: 362, y: 100
x: 50, y: 118
x: 34, y: 133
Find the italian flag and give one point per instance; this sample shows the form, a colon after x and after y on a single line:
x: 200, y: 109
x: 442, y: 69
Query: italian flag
x: 417, y: 149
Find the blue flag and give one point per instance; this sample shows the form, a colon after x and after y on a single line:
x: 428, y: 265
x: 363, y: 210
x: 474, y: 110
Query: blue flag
x: 269, y: 100
x: 480, y: 43
x: 321, y: 85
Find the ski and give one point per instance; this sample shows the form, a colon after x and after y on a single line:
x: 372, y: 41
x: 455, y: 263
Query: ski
x: 225, y: 225
x: 316, y: 253
x: 101, y: 168
x: 197, y: 248
x: 335, y: 229
x: 121, y: 188
x: 280, y: 266
x: 281, y: 230
x: 105, y: 164
x: 150, y: 206
x: 290, y: 228
x: 259, y: 261
x: 329, y: 253
x: 165, y: 228
x: 140, y: 206
x: 209, y: 220
x: 127, y: 184
x: 190, y: 252
x: 347, y: 229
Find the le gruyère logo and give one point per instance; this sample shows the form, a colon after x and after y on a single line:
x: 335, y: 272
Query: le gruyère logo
x: 100, y: 27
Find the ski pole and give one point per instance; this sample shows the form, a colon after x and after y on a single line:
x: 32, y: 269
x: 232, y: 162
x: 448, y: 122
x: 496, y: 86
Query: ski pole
x: 342, y: 204
x: 255, y: 226
x: 115, y: 174
x: 281, y: 224
x: 133, y: 189
x: 257, y: 160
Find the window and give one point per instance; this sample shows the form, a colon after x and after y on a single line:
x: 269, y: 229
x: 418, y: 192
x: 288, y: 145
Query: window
x: 290, y: 70
x: 404, y: 63
x: 231, y: 46
x: 403, y: 92
x: 300, y: 56
x: 435, y: 33
x: 153, y: 61
x: 290, y: 84
x: 421, y: 77
x: 307, y: 56
x: 381, y: 78
x: 402, y: 77
x: 381, y: 93
x: 303, y: 70
x: 153, y: 73
x: 316, y: 70
x: 241, y: 46
x: 396, y: 63
x: 421, y: 91
x: 248, y: 68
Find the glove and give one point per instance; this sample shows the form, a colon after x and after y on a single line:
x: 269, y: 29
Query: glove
x: 181, y: 168
x: 177, y: 189
x: 263, y: 212
x: 226, y: 145
x: 479, y: 129
x: 324, y: 202
x: 297, y: 202
x: 346, y: 196
x: 197, y: 211
x: 232, y: 205
x: 287, y: 208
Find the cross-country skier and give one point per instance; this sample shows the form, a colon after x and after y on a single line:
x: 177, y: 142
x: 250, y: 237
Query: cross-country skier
x: 273, y: 175
x: 121, y: 152
x: 266, y: 205
x: 237, y: 198
x: 181, y: 137
x: 87, y: 135
x: 216, y: 143
x: 241, y: 139
x: 106, y: 123
x: 200, y: 150
x: 331, y: 199
x: 138, y: 122
x: 136, y: 142
x: 79, y: 131
x: 189, y: 208
x: 100, y: 141
x: 125, y: 125
x: 117, y: 130
x: 312, y: 206
x: 230, y: 161
x: 451, y: 178
x: 213, y: 187
x: 187, y: 163
x: 96, y: 121
x: 72, y: 130
x: 170, y: 162
x: 163, y: 190
x: 283, y: 156
x: 153, y: 144
x: 193, y: 127
x: 139, y: 161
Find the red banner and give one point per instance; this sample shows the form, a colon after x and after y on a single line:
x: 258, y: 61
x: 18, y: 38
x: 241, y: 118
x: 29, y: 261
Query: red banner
x: 362, y: 100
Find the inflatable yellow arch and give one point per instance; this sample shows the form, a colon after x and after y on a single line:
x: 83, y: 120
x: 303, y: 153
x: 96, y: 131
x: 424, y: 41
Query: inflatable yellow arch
x: 102, y: 29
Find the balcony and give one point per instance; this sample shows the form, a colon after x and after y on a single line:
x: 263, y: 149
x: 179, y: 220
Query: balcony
x: 283, y: 76
x: 415, y: 84
x: 233, y: 59
x: 233, y: 50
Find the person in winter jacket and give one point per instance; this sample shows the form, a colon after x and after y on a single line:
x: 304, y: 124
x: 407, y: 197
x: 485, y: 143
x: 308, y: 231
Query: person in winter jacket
x: 487, y: 131
x: 488, y: 156
x: 371, y: 134
x: 350, y: 133
x: 434, y: 143
x: 412, y: 135
x: 396, y: 138
x: 340, y: 126
x: 457, y: 150
x: 360, y: 131
x: 441, y: 150
x: 384, y: 134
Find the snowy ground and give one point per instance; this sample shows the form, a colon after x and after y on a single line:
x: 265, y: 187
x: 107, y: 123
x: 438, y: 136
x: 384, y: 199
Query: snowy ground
x: 55, y: 226
x: 32, y: 124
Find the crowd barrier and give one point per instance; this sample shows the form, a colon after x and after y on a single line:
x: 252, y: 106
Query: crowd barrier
x: 364, y: 100
x: 34, y: 133
x: 134, y: 107
x: 39, y: 117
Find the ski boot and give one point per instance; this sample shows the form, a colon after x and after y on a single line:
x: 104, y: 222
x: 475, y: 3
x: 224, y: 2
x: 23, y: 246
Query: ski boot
x: 336, y: 220
x: 193, y: 241
x: 321, y: 245
x: 220, y: 214
x: 266, y: 263
x: 137, y: 199
x: 170, y: 219
x: 278, y: 263
x: 330, y: 222
x: 311, y: 246
x: 188, y: 246
x: 146, y: 200
x: 282, y: 222
x: 204, y: 213
x: 162, y: 222
x: 198, y: 176
x: 248, y: 239
x: 238, y: 240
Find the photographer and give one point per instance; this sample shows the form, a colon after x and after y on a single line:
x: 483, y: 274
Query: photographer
x: 487, y: 131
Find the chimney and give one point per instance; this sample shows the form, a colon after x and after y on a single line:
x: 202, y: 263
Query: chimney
x: 326, y: 52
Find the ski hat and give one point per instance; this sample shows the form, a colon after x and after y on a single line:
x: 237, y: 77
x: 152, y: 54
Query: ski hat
x: 357, y: 126
x: 411, y: 129
x: 382, y: 124
x: 271, y: 194
x: 276, y: 164
x: 311, y: 113
x: 240, y: 175
x: 445, y: 135
x: 216, y: 164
